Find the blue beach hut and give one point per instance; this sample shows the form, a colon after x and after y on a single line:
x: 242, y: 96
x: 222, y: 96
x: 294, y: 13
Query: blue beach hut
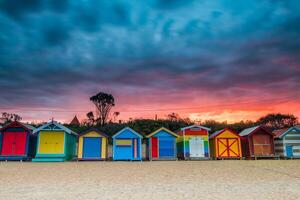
x: 127, y: 145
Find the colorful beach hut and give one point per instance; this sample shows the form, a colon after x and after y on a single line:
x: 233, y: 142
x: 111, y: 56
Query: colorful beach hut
x: 55, y: 143
x: 225, y: 144
x: 18, y: 142
x: 257, y: 142
x: 92, y: 145
x: 287, y: 142
x: 127, y: 145
x: 193, y: 142
x: 162, y: 145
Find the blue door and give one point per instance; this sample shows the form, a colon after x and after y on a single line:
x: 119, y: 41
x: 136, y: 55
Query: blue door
x: 166, y: 147
x: 289, y: 150
x: 92, y: 147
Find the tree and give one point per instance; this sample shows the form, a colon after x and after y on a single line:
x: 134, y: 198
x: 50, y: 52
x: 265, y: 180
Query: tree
x: 116, y: 114
x: 174, y: 117
x: 104, y: 103
x: 9, y: 117
x: 278, y: 121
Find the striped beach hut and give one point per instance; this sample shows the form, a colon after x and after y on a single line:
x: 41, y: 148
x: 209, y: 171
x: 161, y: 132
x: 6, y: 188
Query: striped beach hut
x: 17, y: 142
x: 127, y: 145
x: 287, y: 142
x: 257, y: 142
x: 55, y: 143
x: 162, y: 145
x: 193, y: 142
x: 225, y: 143
x: 92, y: 145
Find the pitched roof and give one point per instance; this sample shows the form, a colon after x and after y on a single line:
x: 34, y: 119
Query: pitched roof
x: 297, y: 126
x: 95, y: 130
x: 279, y: 132
x: 248, y: 130
x: 162, y: 129
x: 254, y: 129
x: 129, y: 129
x: 195, y: 126
x: 26, y: 126
x: 75, y: 121
x: 216, y: 133
x: 56, y: 124
x: 282, y: 132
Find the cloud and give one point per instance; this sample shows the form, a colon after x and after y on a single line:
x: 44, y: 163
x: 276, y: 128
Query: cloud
x: 50, y: 48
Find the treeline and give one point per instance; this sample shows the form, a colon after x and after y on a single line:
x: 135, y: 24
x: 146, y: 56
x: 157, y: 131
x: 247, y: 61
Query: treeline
x: 173, y: 122
x: 146, y: 126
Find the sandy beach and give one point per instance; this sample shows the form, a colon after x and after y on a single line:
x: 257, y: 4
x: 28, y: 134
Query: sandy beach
x: 264, y: 179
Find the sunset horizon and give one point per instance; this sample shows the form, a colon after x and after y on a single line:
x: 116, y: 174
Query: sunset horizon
x: 203, y: 60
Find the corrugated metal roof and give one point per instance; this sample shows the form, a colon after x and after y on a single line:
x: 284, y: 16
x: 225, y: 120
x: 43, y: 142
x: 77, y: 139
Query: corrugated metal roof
x: 248, y: 131
x: 216, y: 133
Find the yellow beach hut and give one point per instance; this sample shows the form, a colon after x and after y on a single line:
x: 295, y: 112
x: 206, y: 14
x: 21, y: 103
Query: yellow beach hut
x: 55, y: 143
x: 92, y: 145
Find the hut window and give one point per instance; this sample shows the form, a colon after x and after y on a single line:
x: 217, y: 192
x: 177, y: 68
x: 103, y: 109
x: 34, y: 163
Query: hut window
x: 123, y: 142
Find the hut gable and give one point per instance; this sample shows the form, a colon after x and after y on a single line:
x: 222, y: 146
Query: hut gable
x: 281, y: 133
x: 54, y: 126
x: 253, y: 130
x: 162, y: 131
x: 93, y: 132
x: 224, y: 133
x: 127, y: 133
x: 16, y: 124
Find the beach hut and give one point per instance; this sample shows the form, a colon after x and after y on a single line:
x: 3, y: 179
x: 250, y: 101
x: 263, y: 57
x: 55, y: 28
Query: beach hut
x: 193, y: 142
x: 257, y: 142
x: 225, y: 143
x: 92, y: 145
x: 127, y: 145
x: 55, y: 143
x: 162, y: 145
x: 287, y: 142
x: 18, y: 142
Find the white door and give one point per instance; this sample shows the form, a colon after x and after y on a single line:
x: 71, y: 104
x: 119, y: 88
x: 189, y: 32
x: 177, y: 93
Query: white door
x: 196, y: 147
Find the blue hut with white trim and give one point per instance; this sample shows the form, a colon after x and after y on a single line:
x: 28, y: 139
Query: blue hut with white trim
x: 127, y: 145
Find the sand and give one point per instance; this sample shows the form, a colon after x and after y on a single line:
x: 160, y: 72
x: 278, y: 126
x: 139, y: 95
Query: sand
x: 263, y: 179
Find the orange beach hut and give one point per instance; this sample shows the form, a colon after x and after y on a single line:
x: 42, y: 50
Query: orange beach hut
x: 225, y: 143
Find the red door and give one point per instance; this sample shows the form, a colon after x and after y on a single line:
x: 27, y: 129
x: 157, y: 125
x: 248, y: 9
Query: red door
x: 14, y: 143
x: 154, y: 142
x: 20, y: 144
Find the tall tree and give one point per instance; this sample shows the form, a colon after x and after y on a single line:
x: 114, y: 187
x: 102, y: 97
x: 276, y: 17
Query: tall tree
x: 9, y: 117
x: 278, y: 120
x: 104, y: 103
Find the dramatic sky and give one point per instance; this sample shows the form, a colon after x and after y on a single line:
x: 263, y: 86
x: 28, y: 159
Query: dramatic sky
x: 224, y: 60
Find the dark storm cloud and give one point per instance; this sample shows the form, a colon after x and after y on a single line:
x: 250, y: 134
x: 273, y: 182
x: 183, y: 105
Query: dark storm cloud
x: 50, y: 48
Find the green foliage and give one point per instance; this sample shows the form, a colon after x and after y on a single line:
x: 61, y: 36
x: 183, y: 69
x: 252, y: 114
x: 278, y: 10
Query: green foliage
x: 103, y: 102
x: 9, y: 117
x: 278, y: 121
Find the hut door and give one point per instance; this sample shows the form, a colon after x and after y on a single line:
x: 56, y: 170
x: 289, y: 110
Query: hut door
x: 154, y: 142
x: 14, y: 143
x: 92, y: 147
x: 196, y: 147
x: 289, y: 151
